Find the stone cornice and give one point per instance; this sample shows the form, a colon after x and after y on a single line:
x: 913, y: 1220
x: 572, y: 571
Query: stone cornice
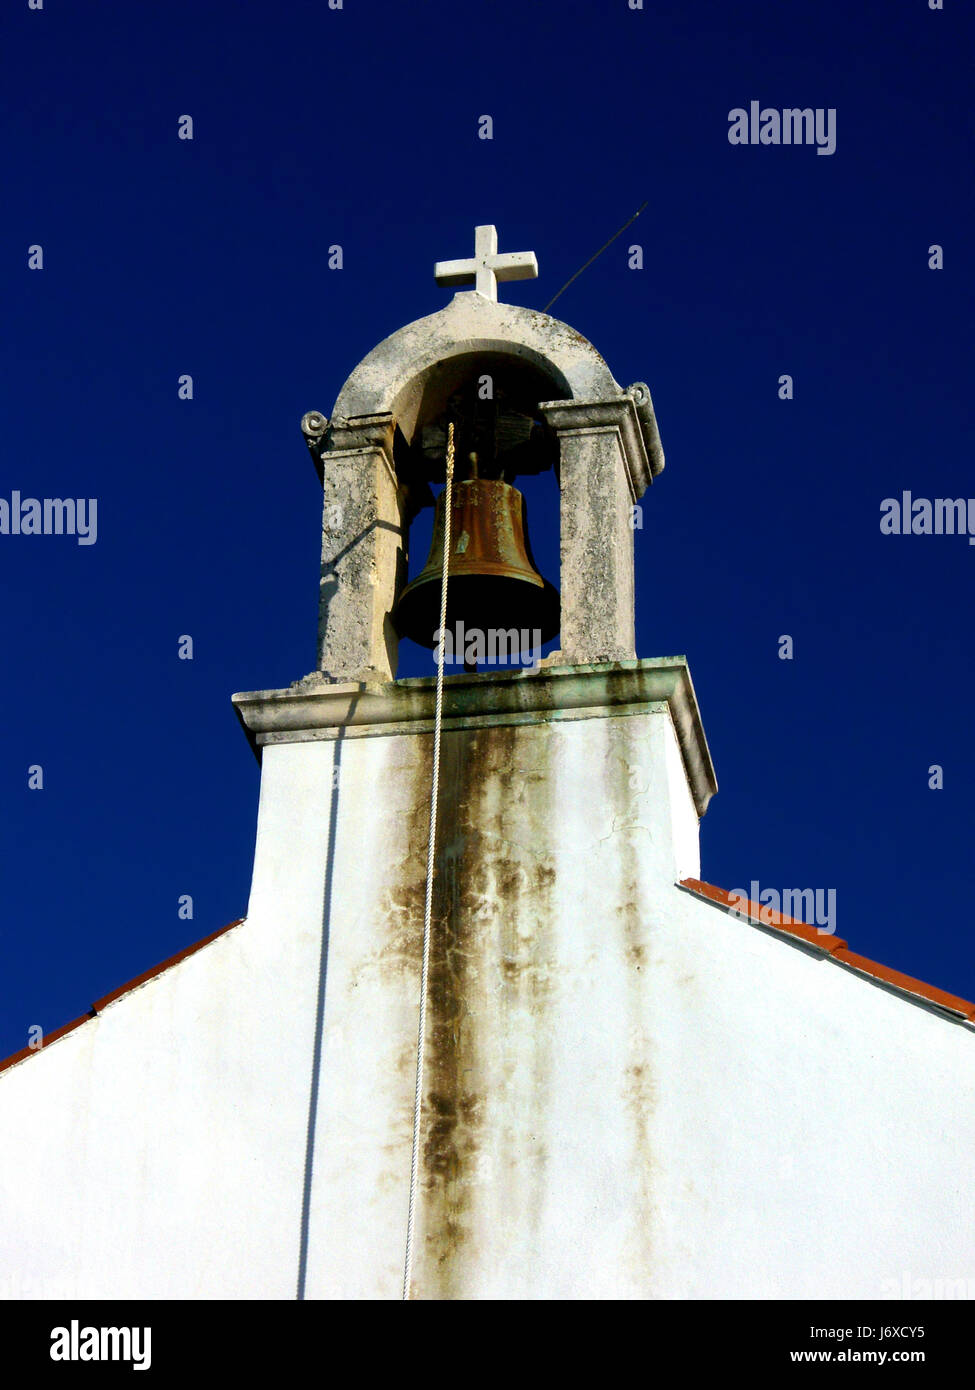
x: 639, y: 392
x: 365, y: 434
x: 317, y: 709
x: 344, y: 438
x: 361, y: 432
x: 620, y: 413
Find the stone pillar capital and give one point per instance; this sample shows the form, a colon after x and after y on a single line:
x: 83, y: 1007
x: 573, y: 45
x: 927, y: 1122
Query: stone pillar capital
x: 630, y: 415
x: 362, y: 432
x: 367, y: 435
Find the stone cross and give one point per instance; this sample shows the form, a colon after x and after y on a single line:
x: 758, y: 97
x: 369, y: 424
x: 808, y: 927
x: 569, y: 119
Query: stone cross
x: 486, y: 267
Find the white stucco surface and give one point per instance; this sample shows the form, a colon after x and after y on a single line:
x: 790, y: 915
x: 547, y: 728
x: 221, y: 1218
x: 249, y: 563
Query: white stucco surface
x: 630, y: 1092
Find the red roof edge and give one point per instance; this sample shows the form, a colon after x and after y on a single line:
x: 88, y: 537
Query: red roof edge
x: 764, y: 916
x: 26, y: 1052
x: 107, y: 999
x: 907, y: 983
x: 832, y: 946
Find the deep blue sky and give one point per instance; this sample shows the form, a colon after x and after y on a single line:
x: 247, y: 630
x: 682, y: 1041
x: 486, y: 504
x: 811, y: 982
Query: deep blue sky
x: 359, y: 127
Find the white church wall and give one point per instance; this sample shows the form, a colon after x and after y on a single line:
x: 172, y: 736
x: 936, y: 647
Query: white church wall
x: 166, y: 1139
x: 635, y: 1094
x: 147, y: 1154
x: 556, y: 830
x: 811, y: 1130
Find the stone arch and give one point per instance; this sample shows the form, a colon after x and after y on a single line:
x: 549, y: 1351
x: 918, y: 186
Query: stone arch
x: 608, y: 451
x: 413, y: 370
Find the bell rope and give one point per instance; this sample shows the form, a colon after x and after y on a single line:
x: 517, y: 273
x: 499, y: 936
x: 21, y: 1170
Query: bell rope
x: 428, y: 905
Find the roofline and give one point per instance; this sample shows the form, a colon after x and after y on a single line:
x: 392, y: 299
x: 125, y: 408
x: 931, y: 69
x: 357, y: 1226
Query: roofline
x: 759, y: 915
x: 835, y: 948
x: 101, y: 1004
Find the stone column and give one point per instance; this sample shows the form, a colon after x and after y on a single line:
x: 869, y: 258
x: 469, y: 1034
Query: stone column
x: 604, y: 469
x: 363, y: 551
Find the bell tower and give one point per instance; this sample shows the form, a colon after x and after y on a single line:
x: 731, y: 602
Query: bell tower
x: 556, y: 405
x: 562, y: 804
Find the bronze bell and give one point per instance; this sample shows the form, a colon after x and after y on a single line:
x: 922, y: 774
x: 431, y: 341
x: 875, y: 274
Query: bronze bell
x: 491, y: 579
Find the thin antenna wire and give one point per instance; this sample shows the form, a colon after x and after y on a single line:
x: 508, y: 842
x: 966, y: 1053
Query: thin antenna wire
x: 592, y: 258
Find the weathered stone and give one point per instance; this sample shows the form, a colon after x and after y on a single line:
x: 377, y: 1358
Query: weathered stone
x: 312, y: 709
x: 568, y: 808
x: 363, y: 552
x: 603, y: 469
x: 487, y: 267
x: 609, y: 446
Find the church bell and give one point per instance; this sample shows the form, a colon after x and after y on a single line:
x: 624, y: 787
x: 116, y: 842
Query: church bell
x: 492, y: 581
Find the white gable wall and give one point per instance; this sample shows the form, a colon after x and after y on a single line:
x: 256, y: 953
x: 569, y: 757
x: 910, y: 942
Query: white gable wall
x: 811, y: 1129
x: 649, y: 1097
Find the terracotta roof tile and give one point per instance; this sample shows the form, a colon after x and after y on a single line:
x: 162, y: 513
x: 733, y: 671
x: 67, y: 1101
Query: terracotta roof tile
x: 764, y: 916
x: 26, y: 1052
x: 759, y: 914
x: 834, y: 947
x: 907, y: 983
x: 107, y: 999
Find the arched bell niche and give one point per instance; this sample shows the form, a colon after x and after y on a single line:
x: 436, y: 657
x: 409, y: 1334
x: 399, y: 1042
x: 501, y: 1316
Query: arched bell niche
x: 381, y: 454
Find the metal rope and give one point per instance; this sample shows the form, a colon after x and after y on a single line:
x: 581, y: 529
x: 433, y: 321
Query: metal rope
x: 428, y: 906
